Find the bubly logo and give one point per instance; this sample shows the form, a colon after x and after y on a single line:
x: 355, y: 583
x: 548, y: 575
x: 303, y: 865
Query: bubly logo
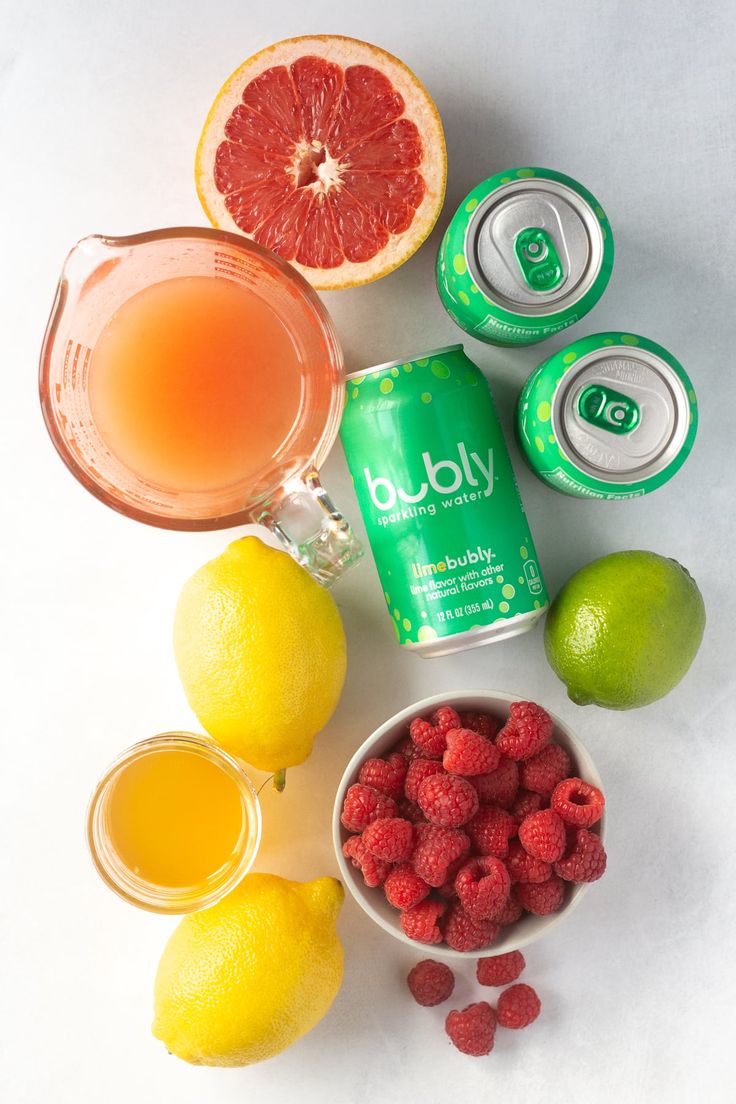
x: 443, y: 476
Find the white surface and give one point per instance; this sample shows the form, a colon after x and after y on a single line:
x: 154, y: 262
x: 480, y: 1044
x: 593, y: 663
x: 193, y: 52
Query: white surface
x: 100, y: 108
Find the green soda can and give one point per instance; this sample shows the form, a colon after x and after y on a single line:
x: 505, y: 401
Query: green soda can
x: 527, y: 253
x: 437, y: 492
x: 610, y: 416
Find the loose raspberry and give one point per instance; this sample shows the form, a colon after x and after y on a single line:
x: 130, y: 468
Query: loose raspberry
x: 483, y: 887
x: 481, y: 723
x: 523, y: 867
x: 527, y: 731
x: 543, y: 835
x: 436, y: 851
x: 444, y: 718
x: 585, y: 861
x: 430, y: 982
x: 363, y: 805
x: 447, y: 800
x: 419, y: 769
x: 420, y: 922
x: 544, y: 770
x: 473, y: 1030
x: 518, y: 1006
x: 501, y: 969
x: 385, y: 775
x: 409, y: 810
x: 542, y: 899
x: 469, y: 754
x: 374, y: 870
x: 525, y: 804
x: 578, y: 802
x: 463, y: 933
x: 429, y: 740
x: 511, y: 913
x: 490, y: 831
x: 500, y: 786
x: 390, y: 839
x: 404, y: 888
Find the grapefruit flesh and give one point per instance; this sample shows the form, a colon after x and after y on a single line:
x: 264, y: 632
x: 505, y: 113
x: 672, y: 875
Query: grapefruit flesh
x: 330, y: 152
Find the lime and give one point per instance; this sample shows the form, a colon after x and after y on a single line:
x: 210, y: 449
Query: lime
x: 624, y: 630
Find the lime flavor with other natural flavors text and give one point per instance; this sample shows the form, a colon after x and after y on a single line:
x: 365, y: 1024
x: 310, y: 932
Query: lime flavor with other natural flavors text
x: 437, y: 492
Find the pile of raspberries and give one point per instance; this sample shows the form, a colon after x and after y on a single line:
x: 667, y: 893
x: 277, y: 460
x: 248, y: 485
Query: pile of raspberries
x: 473, y: 1029
x: 467, y: 824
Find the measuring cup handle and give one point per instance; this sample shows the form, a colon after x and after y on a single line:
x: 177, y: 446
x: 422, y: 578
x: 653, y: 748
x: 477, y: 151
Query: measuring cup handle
x: 312, y: 530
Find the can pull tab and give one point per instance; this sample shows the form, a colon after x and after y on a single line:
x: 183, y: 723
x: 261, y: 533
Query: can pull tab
x: 538, y: 259
x: 608, y: 409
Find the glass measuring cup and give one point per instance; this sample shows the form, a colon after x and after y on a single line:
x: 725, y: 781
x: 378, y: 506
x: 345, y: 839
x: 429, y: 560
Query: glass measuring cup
x: 100, y: 279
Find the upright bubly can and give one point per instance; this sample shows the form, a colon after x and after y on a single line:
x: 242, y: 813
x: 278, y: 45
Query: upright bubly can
x: 439, y: 499
x: 610, y: 416
x: 528, y: 252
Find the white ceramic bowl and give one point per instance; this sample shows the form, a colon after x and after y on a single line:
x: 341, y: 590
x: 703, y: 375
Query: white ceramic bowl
x: 526, y: 930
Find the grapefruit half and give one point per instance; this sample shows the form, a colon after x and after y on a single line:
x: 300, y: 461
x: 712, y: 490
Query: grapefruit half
x: 328, y: 151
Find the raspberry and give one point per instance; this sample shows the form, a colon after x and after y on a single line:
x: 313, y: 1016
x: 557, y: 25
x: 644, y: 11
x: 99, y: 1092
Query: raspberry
x: 501, y: 969
x: 525, y: 804
x: 518, y: 1006
x: 409, y: 749
x: 390, y: 839
x: 419, y: 769
x: 543, y: 835
x: 472, y: 1031
x: 436, y: 850
x: 420, y: 921
x: 500, y: 786
x: 490, y: 831
x: 480, y: 723
x: 374, y: 870
x: 429, y: 740
x: 544, y: 770
x: 409, y: 810
x: 468, y: 753
x: 363, y: 805
x: 447, y: 800
x: 463, y: 933
x: 444, y: 718
x: 511, y: 913
x: 430, y: 982
x: 523, y: 867
x: 526, y: 732
x: 542, y: 899
x: 585, y: 861
x: 483, y: 887
x: 404, y: 888
x: 385, y: 775
x: 578, y: 802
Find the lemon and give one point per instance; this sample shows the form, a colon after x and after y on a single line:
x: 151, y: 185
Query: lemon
x: 260, y: 649
x: 240, y: 982
x: 624, y: 630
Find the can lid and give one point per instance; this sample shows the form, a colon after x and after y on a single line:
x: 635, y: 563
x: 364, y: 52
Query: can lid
x: 621, y: 414
x: 534, y: 246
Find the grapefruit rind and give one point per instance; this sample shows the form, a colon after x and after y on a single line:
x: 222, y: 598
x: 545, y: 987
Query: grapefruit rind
x: 420, y: 108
